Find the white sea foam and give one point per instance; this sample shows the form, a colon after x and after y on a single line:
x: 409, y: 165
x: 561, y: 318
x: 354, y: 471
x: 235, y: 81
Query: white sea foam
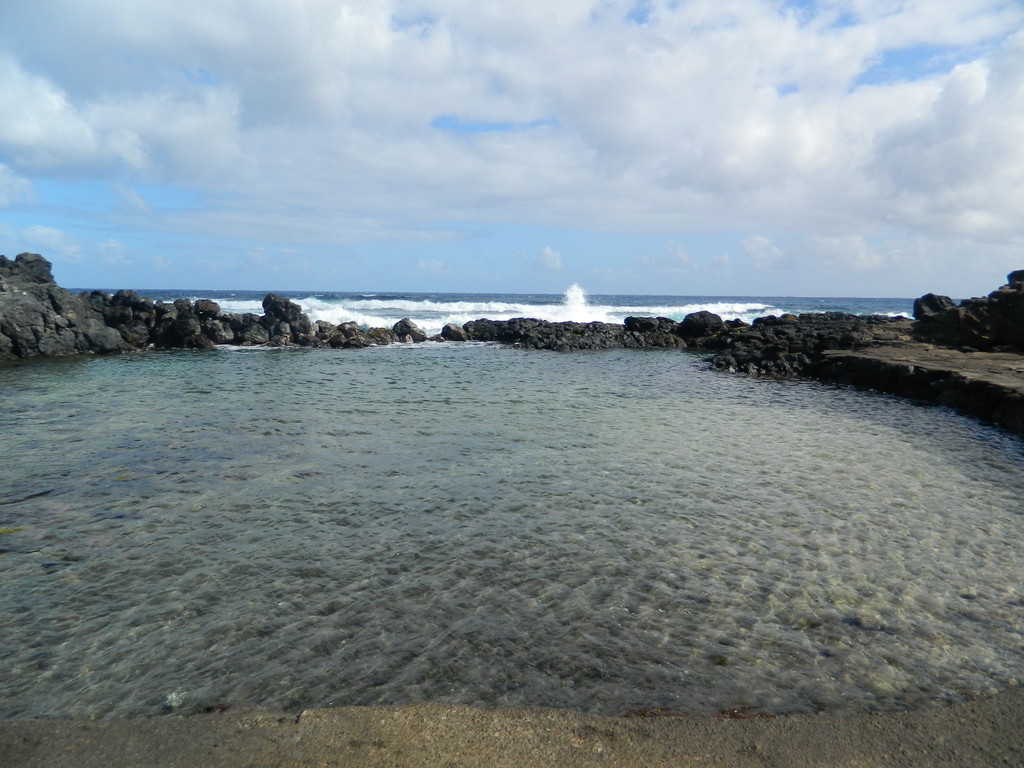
x: 241, y: 306
x: 432, y: 315
x: 372, y: 311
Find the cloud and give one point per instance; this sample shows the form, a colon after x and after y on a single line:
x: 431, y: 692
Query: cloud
x: 764, y: 253
x: 550, y: 259
x: 113, y: 253
x: 431, y: 267
x: 52, y: 241
x: 328, y: 122
x: 847, y: 252
x: 957, y: 164
x: 131, y: 200
x: 13, y: 189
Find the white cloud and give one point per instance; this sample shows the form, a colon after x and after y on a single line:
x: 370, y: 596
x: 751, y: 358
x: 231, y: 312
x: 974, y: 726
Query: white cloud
x: 131, y: 200
x: 550, y: 259
x: 13, y: 189
x: 432, y: 267
x: 846, y: 252
x: 41, y: 128
x: 764, y: 253
x: 113, y: 253
x: 51, y: 241
x: 958, y: 164
x: 312, y: 120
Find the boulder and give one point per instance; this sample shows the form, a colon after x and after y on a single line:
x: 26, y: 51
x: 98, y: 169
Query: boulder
x: 277, y: 308
x: 249, y: 330
x: 407, y: 328
x: 380, y: 337
x: 453, y: 332
x: 206, y: 309
x: 38, y: 318
x: 930, y: 304
x: 699, y: 325
x: 641, y: 324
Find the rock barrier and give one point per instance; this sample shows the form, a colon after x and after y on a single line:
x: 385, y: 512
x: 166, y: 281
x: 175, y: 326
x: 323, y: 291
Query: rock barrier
x: 897, y: 355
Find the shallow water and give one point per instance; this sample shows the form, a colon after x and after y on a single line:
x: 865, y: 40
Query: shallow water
x: 469, y: 523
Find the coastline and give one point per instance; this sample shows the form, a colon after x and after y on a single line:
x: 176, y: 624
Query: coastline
x: 984, y: 733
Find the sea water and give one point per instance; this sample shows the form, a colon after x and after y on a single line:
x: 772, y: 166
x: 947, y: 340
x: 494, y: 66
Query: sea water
x: 431, y: 311
x: 605, y: 532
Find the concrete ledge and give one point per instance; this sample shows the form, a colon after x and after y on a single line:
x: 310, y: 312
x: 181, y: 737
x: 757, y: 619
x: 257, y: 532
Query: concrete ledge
x: 986, y: 385
x: 984, y: 733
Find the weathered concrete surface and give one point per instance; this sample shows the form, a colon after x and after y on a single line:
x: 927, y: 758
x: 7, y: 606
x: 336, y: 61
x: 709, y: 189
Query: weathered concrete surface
x: 984, y: 733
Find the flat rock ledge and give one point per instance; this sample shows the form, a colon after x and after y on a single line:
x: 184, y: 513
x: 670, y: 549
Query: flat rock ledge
x: 966, y: 356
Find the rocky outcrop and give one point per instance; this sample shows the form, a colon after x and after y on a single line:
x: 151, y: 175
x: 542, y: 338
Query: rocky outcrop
x: 201, y: 324
x: 38, y: 318
x: 991, y: 323
x: 793, y: 345
x: 634, y: 333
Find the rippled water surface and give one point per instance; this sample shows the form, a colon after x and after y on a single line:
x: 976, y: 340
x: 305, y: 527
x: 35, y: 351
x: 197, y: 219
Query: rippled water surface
x: 469, y: 523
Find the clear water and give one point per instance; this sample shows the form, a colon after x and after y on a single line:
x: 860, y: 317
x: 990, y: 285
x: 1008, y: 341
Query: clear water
x: 469, y: 523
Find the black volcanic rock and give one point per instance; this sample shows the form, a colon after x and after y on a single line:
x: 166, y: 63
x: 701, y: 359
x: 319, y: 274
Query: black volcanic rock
x: 38, y: 318
x: 406, y: 329
x: 793, y: 345
x: 930, y: 304
x: 703, y: 324
x: 993, y: 322
x: 453, y: 332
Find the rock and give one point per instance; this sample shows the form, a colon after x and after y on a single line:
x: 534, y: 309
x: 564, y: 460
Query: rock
x: 641, y: 324
x: 27, y: 269
x: 380, y: 337
x: 128, y: 313
x: 206, y: 309
x: 794, y: 345
x: 38, y: 318
x: 407, y: 328
x: 930, y: 304
x: 990, y: 323
x: 277, y: 308
x: 250, y: 331
x: 453, y: 332
x: 218, y: 330
x: 699, y: 325
x: 286, y: 323
x: 572, y: 336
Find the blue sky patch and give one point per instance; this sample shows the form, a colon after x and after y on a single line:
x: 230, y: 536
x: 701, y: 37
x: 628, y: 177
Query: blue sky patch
x: 640, y: 13
x: 912, y: 64
x: 455, y: 124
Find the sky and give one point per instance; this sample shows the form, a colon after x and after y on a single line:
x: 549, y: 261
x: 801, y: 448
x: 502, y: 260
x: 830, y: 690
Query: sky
x: 682, y: 147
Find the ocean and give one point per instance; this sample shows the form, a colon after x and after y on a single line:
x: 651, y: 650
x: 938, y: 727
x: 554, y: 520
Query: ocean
x: 607, y: 532
x: 431, y: 311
